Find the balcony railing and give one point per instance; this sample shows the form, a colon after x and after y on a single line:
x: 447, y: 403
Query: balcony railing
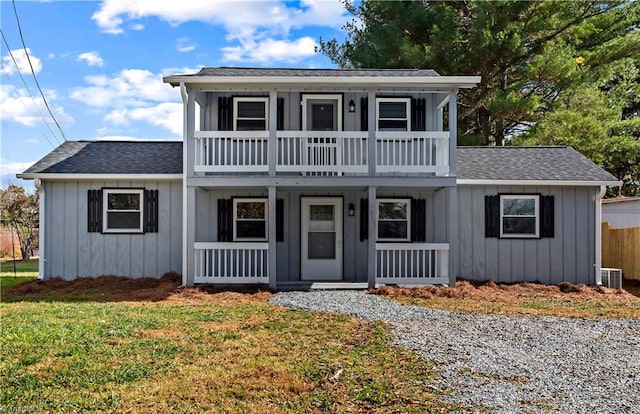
x: 322, y: 153
x: 412, y: 263
x: 231, y: 263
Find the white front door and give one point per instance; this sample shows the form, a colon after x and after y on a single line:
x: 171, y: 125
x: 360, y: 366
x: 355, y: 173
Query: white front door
x: 321, y: 238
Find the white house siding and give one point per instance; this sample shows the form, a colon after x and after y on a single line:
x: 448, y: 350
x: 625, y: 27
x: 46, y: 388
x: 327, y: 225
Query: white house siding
x: 622, y: 213
x: 355, y: 265
x: 569, y: 256
x: 70, y: 251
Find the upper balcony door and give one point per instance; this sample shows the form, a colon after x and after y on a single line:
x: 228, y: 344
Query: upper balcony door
x: 321, y: 112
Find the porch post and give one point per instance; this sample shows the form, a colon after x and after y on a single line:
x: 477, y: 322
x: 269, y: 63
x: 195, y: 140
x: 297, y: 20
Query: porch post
x: 453, y: 134
x: 272, y: 152
x: 371, y: 136
x: 188, y: 277
x: 272, y: 237
x: 453, y: 191
x: 372, y: 267
x: 188, y: 193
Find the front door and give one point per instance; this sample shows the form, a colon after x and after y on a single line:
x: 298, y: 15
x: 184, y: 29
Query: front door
x: 321, y: 238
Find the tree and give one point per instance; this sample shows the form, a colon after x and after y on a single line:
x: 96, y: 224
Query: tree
x: 19, y: 211
x: 530, y: 54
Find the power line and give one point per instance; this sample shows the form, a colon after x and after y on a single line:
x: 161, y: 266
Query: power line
x: 15, y: 11
x: 28, y: 91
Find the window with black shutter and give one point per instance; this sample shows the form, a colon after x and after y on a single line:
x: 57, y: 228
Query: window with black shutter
x: 122, y: 210
x: 519, y: 216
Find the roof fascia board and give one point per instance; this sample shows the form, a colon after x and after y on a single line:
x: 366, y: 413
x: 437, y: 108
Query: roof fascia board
x: 363, y: 81
x: 97, y: 177
x: 558, y: 183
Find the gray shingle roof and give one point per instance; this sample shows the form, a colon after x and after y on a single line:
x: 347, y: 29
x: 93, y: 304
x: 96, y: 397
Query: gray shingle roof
x: 112, y: 157
x: 277, y: 72
x: 528, y: 163
x: 165, y: 157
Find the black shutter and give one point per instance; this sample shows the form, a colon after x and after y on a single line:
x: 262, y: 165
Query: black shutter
x: 492, y: 216
x: 547, y: 222
x: 418, y: 114
x: 225, y: 113
x: 225, y: 220
x: 364, y: 219
x: 364, y: 115
x: 94, y: 211
x: 418, y: 220
x: 280, y: 119
x: 150, y: 211
x: 279, y: 220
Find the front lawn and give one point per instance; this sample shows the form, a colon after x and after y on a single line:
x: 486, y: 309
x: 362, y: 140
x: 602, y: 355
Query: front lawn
x: 23, y: 271
x: 195, y: 351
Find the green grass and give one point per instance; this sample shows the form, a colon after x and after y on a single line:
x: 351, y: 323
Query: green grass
x: 24, y: 270
x: 204, y: 354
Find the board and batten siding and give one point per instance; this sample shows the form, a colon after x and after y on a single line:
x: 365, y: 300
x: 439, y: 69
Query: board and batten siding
x: 569, y: 256
x: 71, y: 251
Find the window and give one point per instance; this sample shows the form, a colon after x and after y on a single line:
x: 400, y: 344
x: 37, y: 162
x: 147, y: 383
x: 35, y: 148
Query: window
x: 519, y: 215
x: 249, y: 219
x: 123, y: 210
x: 394, y: 219
x: 250, y: 114
x: 393, y: 114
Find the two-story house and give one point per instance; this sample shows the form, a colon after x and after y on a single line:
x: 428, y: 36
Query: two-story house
x: 302, y: 178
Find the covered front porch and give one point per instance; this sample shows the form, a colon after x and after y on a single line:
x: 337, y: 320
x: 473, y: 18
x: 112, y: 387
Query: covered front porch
x: 328, y: 238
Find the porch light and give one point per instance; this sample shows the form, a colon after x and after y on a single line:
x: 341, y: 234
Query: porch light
x: 352, y: 108
x: 351, y: 211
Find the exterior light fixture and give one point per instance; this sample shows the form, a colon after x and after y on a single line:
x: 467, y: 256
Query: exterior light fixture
x: 352, y: 106
x: 352, y: 209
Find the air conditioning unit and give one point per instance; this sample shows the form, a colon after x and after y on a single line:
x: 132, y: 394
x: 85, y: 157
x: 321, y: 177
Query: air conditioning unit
x: 611, y: 278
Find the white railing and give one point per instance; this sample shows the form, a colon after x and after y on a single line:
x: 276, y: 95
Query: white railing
x: 231, y: 263
x: 322, y: 152
x: 412, y: 263
x: 412, y: 152
x: 231, y: 151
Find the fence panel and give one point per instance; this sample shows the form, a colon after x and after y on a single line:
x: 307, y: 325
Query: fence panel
x: 621, y: 250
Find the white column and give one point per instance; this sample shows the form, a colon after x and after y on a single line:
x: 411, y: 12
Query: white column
x: 272, y: 152
x: 373, y: 235
x: 453, y: 134
x: 371, y: 137
x: 272, y: 238
x: 453, y: 235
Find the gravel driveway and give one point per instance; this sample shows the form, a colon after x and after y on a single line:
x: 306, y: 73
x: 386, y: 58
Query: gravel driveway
x: 508, y: 364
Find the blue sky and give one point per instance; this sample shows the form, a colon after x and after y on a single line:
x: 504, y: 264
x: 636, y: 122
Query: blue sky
x: 100, y: 64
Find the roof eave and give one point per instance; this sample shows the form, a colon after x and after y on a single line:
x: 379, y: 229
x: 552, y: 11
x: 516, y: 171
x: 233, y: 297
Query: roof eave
x: 447, y: 82
x: 550, y: 183
x: 97, y: 177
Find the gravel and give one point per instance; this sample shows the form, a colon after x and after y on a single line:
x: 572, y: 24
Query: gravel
x: 508, y: 364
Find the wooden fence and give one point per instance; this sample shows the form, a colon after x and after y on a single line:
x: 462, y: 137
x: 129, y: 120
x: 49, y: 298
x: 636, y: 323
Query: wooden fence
x: 621, y: 250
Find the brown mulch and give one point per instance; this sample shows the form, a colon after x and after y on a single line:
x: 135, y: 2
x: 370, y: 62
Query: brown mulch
x: 491, y: 291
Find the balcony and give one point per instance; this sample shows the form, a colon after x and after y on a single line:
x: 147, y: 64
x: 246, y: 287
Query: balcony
x: 323, y: 153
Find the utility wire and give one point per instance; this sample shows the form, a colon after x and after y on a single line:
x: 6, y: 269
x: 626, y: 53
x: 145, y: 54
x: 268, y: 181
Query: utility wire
x: 28, y: 91
x: 15, y: 11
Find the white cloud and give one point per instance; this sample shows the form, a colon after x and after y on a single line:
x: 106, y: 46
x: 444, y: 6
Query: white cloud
x: 248, y: 23
x: 12, y: 168
x: 22, y: 61
x: 129, y: 87
x: 167, y: 115
x: 269, y: 50
x: 184, y: 44
x: 92, y: 58
x: 17, y: 106
x: 32, y: 141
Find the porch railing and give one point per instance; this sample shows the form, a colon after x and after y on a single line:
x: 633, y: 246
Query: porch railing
x: 412, y: 263
x: 231, y: 263
x: 231, y: 151
x: 322, y: 152
x: 412, y: 152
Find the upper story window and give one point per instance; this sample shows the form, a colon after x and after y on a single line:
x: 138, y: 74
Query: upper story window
x: 394, y: 219
x: 519, y: 215
x: 393, y: 114
x: 249, y: 219
x: 123, y: 210
x: 250, y: 113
